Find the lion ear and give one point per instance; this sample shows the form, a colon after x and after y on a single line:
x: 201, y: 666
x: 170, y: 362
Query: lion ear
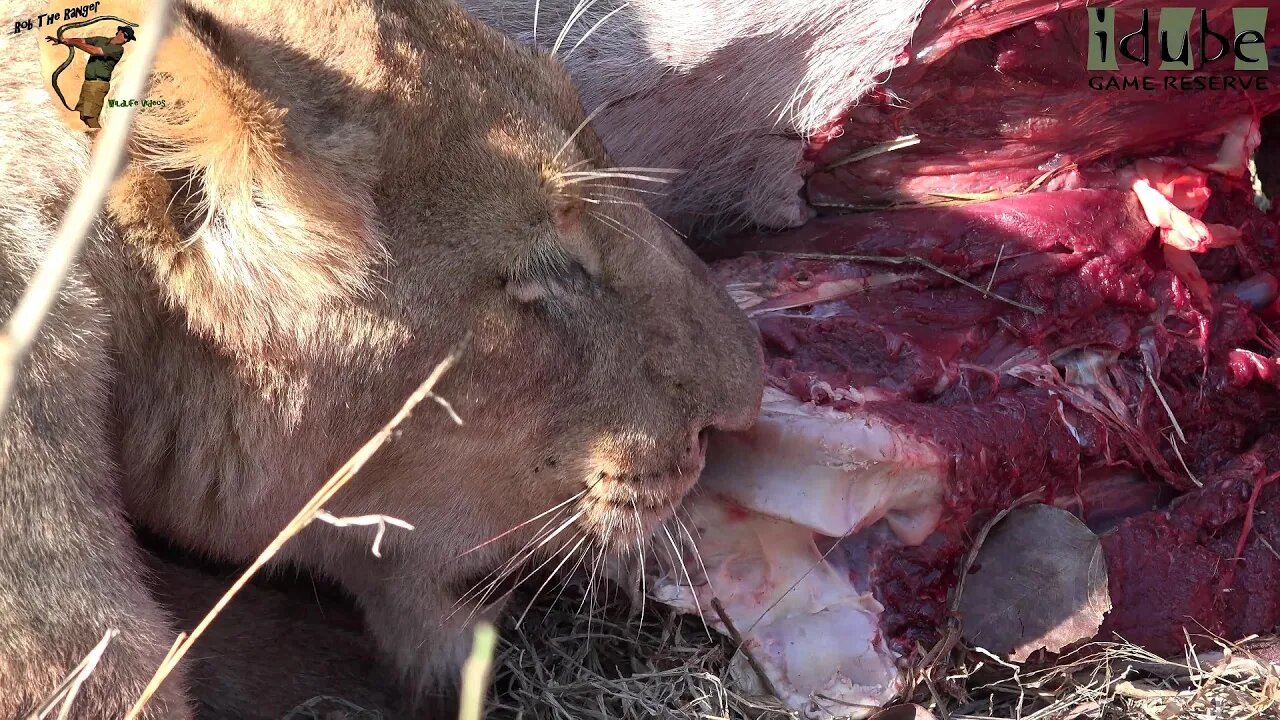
x: 253, y: 228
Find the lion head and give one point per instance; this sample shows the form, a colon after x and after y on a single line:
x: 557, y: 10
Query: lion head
x: 327, y: 200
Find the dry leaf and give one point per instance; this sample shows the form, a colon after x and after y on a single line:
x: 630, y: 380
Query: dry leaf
x: 1040, y: 581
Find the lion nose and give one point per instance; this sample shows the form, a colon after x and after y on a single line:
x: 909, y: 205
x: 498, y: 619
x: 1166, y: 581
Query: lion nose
x: 695, y: 447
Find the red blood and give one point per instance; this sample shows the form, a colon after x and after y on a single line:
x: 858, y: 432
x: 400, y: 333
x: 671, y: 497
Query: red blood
x: 1077, y: 354
x: 734, y: 512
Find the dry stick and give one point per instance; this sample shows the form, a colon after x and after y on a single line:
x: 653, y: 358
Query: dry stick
x: 899, y: 143
x: 796, y: 584
x: 948, y: 199
x: 68, y: 689
x: 301, y: 520
x: 28, y: 316
x: 381, y: 521
x: 1144, y: 691
x: 1164, y: 403
x: 83, y: 671
x: 1176, y: 451
x: 995, y: 268
x: 740, y: 646
x: 906, y: 260
x: 475, y: 672
x: 109, y: 149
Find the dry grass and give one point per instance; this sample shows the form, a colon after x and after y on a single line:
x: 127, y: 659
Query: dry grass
x: 570, y: 661
x: 1111, y: 680
x: 569, y: 664
x: 566, y: 664
x: 331, y: 708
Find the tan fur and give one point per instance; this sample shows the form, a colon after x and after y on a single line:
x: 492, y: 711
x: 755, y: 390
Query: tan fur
x: 331, y: 196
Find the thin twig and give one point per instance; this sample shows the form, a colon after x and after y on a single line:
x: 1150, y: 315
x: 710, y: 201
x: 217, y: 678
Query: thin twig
x: 70, y: 687
x: 28, y: 316
x: 83, y: 671
x: 995, y: 268
x: 944, y: 199
x: 740, y: 646
x: 1186, y: 469
x: 1145, y: 691
x: 898, y: 143
x: 1263, y: 538
x: 925, y: 669
x: 906, y: 260
x: 457, y: 419
x: 382, y: 521
x: 475, y: 672
x: 301, y: 520
x: 821, y: 559
x: 1168, y: 410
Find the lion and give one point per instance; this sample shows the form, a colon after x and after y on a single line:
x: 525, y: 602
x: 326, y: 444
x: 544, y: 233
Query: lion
x: 283, y: 648
x: 330, y: 196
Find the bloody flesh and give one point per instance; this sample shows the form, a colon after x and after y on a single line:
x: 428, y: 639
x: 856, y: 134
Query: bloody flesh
x: 1114, y: 348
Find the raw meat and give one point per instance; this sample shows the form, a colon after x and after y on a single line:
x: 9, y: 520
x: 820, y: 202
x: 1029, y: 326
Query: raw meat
x: 1054, y: 290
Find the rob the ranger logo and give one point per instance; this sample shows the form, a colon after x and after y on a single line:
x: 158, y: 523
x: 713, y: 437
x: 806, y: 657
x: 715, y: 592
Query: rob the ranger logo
x: 1244, y: 41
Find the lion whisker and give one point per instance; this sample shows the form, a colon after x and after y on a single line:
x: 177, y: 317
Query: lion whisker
x: 578, y: 11
x: 644, y: 589
x: 697, y: 552
x: 581, y: 557
x: 649, y: 174
x: 550, y: 558
x: 542, y: 514
x: 592, y: 571
x: 519, y: 558
x: 553, y: 575
x: 574, y: 177
x: 642, y: 169
x: 693, y: 592
x: 626, y: 231
x: 593, y: 585
x: 574, y: 134
x: 611, y: 200
x: 609, y: 186
x: 595, y: 27
x: 689, y: 517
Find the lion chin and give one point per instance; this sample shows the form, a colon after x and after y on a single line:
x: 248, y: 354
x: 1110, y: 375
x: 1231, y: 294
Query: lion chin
x: 330, y: 196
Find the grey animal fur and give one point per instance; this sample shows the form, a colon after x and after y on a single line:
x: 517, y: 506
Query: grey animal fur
x: 726, y: 90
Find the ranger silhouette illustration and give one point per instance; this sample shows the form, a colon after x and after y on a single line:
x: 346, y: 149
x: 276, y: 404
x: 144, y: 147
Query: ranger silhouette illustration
x: 104, y: 53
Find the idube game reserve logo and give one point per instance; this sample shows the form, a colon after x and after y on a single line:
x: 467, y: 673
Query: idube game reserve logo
x: 84, y: 47
x: 1186, y: 49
